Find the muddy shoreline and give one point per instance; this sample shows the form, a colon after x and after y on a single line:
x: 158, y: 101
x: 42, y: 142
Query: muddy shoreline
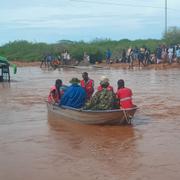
x: 114, y: 65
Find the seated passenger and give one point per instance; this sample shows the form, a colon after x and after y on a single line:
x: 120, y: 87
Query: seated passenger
x: 109, y: 88
x: 56, y: 92
x: 103, y: 99
x: 124, y: 95
x: 74, y: 96
x: 61, y: 88
x: 53, y: 95
x: 87, y: 84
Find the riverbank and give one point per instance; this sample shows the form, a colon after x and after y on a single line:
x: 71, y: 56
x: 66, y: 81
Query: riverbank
x: 150, y: 66
x: 114, y: 65
x: 25, y: 64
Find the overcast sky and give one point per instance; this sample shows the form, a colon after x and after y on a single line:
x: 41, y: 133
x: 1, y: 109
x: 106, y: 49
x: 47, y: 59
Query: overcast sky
x: 53, y: 20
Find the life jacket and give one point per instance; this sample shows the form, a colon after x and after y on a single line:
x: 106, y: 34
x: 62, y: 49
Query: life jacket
x: 109, y: 88
x: 125, y: 98
x: 54, y: 96
x: 89, y: 87
x: 55, y: 62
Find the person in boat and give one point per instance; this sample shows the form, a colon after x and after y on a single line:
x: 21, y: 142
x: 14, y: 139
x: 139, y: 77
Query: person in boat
x: 53, y: 95
x: 87, y: 84
x: 104, y: 78
x: 74, y: 96
x: 103, y: 99
x: 56, y: 91
x: 124, y: 95
x: 61, y: 88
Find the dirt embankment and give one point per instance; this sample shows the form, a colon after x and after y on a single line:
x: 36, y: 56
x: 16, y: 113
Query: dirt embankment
x: 114, y: 65
x: 24, y: 64
x: 150, y: 66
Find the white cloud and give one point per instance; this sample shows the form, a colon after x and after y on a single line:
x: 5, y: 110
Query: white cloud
x: 70, y: 15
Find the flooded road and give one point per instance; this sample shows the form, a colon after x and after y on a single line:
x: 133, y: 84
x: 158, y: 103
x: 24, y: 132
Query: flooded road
x: 35, y: 145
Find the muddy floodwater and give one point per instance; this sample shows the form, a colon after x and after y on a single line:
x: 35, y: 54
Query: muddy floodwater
x: 37, y: 146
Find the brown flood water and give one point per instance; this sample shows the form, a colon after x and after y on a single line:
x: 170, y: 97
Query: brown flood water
x: 35, y: 146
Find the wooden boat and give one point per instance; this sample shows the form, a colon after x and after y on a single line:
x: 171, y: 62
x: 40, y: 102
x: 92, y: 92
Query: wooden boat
x: 117, y: 116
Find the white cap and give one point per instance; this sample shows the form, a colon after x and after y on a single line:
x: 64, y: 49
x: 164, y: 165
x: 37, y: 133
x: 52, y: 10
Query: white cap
x: 104, y: 78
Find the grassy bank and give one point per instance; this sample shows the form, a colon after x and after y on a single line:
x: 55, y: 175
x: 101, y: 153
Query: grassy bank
x: 28, y: 52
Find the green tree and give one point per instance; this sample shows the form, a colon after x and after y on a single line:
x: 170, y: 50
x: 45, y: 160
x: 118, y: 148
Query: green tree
x: 29, y: 51
x: 172, y: 36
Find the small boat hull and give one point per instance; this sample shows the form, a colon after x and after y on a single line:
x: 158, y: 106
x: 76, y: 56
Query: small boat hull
x: 117, y: 116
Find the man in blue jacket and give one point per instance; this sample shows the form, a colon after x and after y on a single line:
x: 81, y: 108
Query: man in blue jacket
x: 75, y: 95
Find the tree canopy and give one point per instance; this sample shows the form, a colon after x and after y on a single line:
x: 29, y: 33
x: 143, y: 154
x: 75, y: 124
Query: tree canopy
x: 29, y: 51
x: 172, y: 36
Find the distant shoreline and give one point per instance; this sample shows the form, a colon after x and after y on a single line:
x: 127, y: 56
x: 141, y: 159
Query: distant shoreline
x: 104, y: 65
x: 24, y: 64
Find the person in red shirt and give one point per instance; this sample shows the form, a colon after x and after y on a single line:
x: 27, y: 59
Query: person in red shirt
x: 53, y: 95
x: 56, y: 91
x: 124, y: 95
x: 103, y: 79
x: 87, y: 84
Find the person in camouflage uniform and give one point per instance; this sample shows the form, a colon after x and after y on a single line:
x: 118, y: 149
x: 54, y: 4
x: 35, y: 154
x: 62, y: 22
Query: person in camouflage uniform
x: 102, y: 100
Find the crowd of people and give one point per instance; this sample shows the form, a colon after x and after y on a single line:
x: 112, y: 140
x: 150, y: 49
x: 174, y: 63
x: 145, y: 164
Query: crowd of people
x: 143, y: 55
x: 81, y: 94
x: 168, y: 54
x: 50, y: 60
